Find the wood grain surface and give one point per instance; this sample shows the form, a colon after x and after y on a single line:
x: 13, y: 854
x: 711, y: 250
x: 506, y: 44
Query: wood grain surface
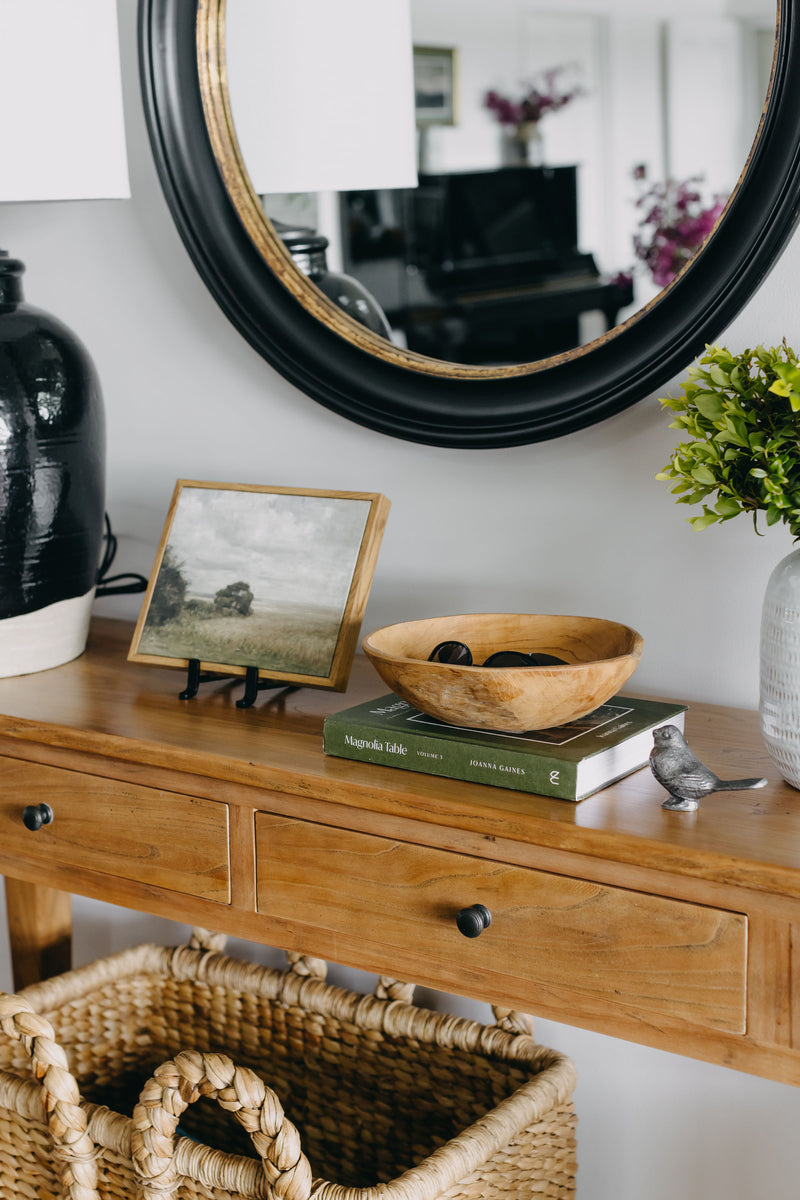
x: 151, y: 836
x: 40, y: 931
x: 657, y: 955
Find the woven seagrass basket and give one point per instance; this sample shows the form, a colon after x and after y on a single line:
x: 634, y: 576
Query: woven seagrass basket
x: 369, y: 1097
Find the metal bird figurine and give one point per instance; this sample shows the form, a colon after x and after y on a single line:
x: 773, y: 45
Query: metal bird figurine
x: 683, y: 775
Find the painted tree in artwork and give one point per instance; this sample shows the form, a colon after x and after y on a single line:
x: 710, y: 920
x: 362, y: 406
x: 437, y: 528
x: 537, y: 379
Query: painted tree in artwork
x: 169, y: 592
x: 234, y: 600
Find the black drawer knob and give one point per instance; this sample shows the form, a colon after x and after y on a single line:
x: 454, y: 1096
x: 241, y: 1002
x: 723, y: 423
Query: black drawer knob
x: 473, y: 920
x: 34, y: 816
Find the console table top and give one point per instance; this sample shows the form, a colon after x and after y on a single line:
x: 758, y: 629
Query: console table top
x: 102, y: 705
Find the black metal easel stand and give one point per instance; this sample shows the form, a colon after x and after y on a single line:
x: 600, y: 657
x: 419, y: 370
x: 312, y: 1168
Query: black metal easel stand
x: 252, y: 684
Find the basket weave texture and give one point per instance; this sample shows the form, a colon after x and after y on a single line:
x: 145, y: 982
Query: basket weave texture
x: 334, y: 1095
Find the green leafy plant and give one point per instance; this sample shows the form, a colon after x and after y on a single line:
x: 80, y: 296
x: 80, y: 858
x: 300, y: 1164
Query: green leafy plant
x: 742, y: 415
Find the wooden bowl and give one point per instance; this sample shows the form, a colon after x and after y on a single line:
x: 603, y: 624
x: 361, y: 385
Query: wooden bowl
x: 599, y: 656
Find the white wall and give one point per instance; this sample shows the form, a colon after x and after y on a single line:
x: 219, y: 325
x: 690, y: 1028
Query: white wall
x: 576, y: 525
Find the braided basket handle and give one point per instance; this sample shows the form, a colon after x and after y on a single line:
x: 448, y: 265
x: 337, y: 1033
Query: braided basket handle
x: 72, y: 1146
x: 297, y: 964
x: 306, y: 966
x: 386, y: 987
x: 513, y: 1021
x: 207, y: 939
x: 177, y: 1084
x: 507, y: 1019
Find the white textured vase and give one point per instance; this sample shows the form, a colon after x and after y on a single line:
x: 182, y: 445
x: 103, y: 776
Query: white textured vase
x: 779, y: 704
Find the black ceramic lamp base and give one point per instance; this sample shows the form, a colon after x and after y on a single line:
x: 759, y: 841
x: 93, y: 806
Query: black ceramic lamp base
x: 52, y: 484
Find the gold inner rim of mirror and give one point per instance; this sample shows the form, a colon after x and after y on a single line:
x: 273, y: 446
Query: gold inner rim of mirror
x: 212, y: 74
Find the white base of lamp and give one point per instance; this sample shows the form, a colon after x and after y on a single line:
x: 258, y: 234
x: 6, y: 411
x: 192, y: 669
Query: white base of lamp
x: 46, y: 638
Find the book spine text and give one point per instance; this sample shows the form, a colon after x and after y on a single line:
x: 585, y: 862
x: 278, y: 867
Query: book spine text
x: 456, y: 760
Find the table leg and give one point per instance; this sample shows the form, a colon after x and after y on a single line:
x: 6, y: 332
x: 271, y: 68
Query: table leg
x: 39, y: 929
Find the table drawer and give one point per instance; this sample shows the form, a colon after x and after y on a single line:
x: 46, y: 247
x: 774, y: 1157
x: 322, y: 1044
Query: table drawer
x: 155, y: 837
x: 598, y: 943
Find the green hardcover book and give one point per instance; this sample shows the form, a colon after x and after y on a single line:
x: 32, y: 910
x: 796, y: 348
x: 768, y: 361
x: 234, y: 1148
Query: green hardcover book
x: 570, y: 762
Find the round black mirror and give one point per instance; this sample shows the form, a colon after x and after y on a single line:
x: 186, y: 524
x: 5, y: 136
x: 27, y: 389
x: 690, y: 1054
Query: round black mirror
x: 368, y: 380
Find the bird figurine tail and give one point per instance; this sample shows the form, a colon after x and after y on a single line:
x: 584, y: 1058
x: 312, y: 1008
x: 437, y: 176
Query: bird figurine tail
x: 739, y: 785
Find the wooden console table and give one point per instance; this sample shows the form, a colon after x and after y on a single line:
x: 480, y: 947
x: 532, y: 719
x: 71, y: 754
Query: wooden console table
x: 676, y: 930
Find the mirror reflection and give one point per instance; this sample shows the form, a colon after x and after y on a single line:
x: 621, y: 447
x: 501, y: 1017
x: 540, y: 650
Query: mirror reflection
x: 535, y: 177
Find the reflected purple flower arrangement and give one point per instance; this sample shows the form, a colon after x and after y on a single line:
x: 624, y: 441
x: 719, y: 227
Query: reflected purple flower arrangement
x: 675, y: 222
x: 540, y: 97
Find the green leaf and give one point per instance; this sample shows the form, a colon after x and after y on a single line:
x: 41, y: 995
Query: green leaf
x: 730, y: 435
x: 773, y: 515
x: 710, y: 405
x: 758, y: 473
x: 704, y: 475
x: 789, y: 372
x: 780, y: 388
x: 727, y: 507
x: 738, y: 379
x: 700, y: 523
x: 695, y: 497
x: 788, y: 383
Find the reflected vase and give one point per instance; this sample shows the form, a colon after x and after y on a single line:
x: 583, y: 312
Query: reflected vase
x: 779, y: 693
x: 524, y: 145
x: 307, y: 249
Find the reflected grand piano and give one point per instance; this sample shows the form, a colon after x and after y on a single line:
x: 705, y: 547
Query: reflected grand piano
x: 481, y: 266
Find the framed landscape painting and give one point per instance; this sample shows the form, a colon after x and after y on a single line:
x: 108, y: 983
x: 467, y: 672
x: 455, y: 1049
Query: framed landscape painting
x: 273, y: 578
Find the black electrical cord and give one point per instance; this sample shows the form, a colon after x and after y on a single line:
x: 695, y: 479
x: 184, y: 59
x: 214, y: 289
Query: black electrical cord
x: 135, y: 583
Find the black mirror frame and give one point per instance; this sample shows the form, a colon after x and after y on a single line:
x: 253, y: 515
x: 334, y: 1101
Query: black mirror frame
x: 545, y: 400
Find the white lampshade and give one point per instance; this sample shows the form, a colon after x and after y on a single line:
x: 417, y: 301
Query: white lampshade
x: 61, y: 123
x: 322, y: 93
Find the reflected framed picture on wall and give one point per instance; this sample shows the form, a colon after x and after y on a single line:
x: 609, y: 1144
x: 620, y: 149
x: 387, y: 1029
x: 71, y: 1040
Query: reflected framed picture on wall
x: 274, y: 578
x: 435, y: 85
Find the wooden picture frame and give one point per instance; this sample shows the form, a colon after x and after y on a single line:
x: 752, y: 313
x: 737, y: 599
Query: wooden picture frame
x: 268, y: 577
x: 434, y: 85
